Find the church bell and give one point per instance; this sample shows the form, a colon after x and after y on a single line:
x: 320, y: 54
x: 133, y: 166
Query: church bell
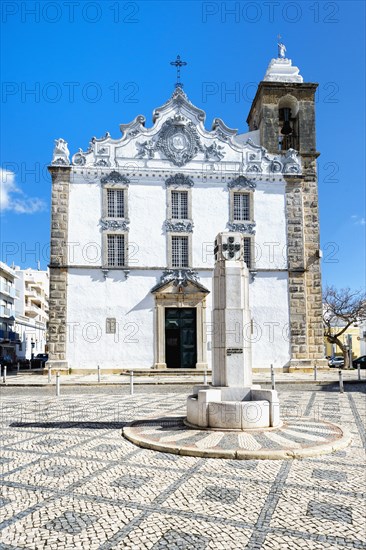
x: 286, y: 129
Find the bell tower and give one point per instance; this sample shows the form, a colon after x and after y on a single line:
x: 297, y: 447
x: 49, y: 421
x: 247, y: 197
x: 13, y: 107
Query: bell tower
x: 283, y: 111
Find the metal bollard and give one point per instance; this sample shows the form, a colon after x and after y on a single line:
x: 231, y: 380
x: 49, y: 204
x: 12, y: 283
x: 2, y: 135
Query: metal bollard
x: 4, y: 374
x: 341, y: 388
x: 30, y: 364
x: 57, y: 384
x: 49, y: 375
x: 359, y: 371
x: 205, y: 377
x: 98, y: 373
x: 131, y: 382
x: 18, y: 367
x: 273, y: 378
x: 315, y: 371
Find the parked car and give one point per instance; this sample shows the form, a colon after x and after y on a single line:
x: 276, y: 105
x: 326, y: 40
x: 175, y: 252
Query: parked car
x: 360, y: 361
x: 336, y: 361
x: 39, y: 360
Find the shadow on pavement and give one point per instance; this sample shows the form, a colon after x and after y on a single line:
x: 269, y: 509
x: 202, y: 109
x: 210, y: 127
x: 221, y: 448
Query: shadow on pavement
x: 83, y: 425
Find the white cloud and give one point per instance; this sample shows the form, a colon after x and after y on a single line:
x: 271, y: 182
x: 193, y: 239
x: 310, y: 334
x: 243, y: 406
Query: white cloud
x: 14, y: 199
x: 358, y: 220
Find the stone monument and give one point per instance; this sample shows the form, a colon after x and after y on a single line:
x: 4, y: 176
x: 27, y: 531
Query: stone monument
x: 232, y: 401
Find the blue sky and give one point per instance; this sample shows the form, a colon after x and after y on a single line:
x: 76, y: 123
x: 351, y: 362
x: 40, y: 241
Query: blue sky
x: 78, y: 69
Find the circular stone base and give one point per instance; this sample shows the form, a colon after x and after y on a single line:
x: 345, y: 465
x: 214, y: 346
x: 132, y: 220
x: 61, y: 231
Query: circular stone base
x: 210, y: 429
x: 297, y: 438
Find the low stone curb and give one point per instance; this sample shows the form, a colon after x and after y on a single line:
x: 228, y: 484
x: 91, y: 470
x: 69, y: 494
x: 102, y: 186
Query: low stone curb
x: 241, y: 454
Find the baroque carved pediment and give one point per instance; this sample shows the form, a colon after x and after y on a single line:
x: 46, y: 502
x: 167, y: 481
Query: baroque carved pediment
x: 179, y: 180
x: 179, y: 137
x: 115, y: 177
x: 174, y: 281
x: 241, y: 182
x: 178, y: 141
x: 115, y: 224
x: 237, y: 227
x: 179, y: 226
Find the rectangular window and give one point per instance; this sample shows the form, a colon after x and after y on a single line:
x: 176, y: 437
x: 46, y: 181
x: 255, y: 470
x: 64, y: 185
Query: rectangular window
x: 180, y: 205
x: 116, y: 203
x: 247, y: 252
x: 179, y: 251
x: 116, y: 250
x: 241, y: 206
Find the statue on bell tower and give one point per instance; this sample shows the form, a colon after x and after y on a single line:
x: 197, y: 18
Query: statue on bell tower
x: 281, y: 48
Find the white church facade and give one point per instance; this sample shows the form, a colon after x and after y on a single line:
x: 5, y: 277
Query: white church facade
x: 133, y: 226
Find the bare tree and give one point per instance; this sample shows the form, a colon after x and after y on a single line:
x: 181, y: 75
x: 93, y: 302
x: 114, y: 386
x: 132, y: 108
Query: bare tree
x: 341, y: 309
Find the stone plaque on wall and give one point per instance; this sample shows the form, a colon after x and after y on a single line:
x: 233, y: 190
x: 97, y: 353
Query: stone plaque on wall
x: 110, y: 326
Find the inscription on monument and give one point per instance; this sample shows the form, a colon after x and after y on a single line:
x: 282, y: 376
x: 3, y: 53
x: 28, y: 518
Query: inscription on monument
x: 232, y: 351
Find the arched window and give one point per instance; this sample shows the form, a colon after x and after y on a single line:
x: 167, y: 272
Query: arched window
x: 288, y: 110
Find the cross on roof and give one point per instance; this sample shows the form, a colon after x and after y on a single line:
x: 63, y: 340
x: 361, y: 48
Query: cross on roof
x: 178, y: 63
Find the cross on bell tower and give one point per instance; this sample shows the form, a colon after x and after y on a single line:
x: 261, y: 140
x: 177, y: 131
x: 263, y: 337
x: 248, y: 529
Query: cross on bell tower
x: 178, y: 63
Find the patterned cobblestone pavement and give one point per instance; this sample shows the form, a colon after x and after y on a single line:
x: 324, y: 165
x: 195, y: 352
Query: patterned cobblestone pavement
x: 70, y: 480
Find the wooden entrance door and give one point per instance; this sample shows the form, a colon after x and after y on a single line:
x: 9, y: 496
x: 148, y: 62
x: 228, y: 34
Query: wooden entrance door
x: 180, y: 338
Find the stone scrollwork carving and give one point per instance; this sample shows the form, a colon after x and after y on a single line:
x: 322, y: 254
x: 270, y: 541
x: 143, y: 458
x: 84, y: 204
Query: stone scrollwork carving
x: 181, y: 226
x: 102, y: 162
x: 179, y: 180
x: 241, y: 182
x: 79, y: 158
x: 275, y: 166
x: 254, y: 168
x: 214, y: 152
x: 115, y: 224
x: 181, y: 277
x: 61, y: 153
x: 242, y: 227
x: 145, y: 149
x: 291, y: 164
x: 178, y: 140
x: 115, y: 177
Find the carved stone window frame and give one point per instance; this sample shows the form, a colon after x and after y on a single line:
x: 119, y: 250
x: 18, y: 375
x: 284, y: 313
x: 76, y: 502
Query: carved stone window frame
x: 119, y: 187
x: 105, y: 234
x: 170, y: 236
x: 169, y: 202
x: 250, y: 194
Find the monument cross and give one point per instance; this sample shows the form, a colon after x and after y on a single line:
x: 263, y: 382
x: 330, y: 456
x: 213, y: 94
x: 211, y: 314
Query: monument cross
x: 178, y: 63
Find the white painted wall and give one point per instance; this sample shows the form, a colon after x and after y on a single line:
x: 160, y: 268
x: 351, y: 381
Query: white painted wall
x: 91, y: 298
x: 147, y: 212
x: 269, y: 215
x: 269, y: 305
x: 85, y: 236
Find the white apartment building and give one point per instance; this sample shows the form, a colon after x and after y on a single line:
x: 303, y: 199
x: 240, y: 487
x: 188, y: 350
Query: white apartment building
x: 8, y: 335
x: 31, y: 311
